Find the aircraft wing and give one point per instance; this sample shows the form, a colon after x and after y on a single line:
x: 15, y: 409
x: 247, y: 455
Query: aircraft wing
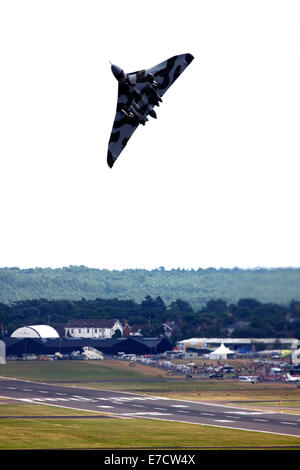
x: 123, y: 127
x: 168, y: 71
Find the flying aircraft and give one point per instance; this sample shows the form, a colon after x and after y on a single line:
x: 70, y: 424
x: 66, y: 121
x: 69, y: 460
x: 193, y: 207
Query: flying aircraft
x: 138, y: 93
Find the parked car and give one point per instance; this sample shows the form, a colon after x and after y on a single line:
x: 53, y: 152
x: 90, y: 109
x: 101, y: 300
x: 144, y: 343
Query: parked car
x: 248, y: 378
x: 216, y: 375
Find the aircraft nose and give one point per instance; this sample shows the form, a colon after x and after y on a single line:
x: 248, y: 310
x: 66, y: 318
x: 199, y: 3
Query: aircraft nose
x: 117, y: 71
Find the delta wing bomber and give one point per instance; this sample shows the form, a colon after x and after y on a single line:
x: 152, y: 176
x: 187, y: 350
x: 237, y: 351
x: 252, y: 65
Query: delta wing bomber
x: 138, y: 93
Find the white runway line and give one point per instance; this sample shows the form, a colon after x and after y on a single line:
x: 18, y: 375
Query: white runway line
x: 223, y: 421
x: 179, y: 406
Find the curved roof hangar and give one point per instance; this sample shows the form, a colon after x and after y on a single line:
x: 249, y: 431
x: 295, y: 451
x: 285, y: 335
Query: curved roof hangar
x: 35, y: 331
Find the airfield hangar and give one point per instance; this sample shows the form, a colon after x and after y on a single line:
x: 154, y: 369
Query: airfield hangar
x: 43, y: 346
x: 76, y: 334
x: 35, y: 331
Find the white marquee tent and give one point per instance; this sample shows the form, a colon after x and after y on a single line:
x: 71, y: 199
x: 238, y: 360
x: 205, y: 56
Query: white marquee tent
x: 220, y: 353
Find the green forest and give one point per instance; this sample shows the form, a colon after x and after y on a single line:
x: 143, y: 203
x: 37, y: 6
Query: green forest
x: 197, y: 287
x: 244, y: 319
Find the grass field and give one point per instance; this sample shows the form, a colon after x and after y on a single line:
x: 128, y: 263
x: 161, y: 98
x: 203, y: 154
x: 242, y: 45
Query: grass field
x: 70, y: 433
x: 110, y: 370
x: 27, y: 432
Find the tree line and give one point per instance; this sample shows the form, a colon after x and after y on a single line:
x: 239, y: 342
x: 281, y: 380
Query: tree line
x: 247, y: 318
x: 196, y: 286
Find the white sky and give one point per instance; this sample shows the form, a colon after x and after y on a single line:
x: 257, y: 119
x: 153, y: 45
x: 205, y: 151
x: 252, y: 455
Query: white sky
x: 214, y: 181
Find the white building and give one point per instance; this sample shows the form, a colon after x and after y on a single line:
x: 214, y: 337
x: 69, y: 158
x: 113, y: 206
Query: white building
x: 95, y: 328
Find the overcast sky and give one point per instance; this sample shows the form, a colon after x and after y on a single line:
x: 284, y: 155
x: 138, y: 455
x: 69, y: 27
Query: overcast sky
x: 214, y: 181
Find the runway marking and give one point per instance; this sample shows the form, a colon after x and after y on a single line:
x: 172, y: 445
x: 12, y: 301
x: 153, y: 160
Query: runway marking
x: 56, y: 399
x: 223, y: 421
x: 41, y: 400
x: 105, y: 406
x: 83, y: 400
x: 287, y: 422
x: 249, y: 413
x: 260, y: 419
x: 163, y: 409
x: 148, y: 413
x: 76, y: 399
x: 35, y: 399
x: 208, y: 414
x: 122, y: 400
x: 138, y: 406
x: 127, y: 399
x: 179, y: 406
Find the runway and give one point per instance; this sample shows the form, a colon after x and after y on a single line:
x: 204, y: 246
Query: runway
x: 131, y: 405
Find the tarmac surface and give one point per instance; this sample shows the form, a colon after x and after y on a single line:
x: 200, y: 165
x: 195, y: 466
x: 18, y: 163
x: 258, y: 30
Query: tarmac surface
x: 133, y: 405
